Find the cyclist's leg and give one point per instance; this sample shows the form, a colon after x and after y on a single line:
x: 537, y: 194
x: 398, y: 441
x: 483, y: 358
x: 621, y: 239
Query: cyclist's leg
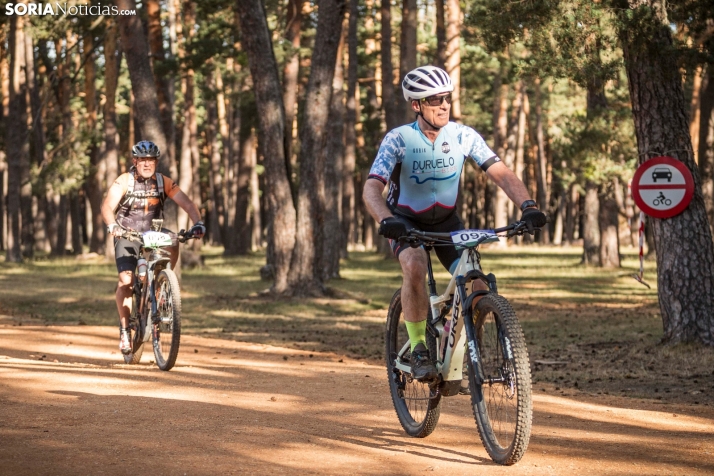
x: 126, y: 253
x: 414, y: 297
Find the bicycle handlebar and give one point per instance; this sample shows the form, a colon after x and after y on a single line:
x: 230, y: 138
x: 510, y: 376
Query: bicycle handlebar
x: 131, y: 235
x: 514, y: 229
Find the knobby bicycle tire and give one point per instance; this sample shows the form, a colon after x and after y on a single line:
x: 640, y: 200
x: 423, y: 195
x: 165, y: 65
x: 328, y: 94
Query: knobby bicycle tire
x: 502, y: 405
x: 417, y: 406
x: 137, y: 344
x: 166, y: 335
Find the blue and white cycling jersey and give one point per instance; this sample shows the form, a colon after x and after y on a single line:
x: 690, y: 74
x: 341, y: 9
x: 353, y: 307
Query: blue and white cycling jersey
x: 423, y: 176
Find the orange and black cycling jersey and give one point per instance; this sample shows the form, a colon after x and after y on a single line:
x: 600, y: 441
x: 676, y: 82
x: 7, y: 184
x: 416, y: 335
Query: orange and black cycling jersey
x: 146, y: 205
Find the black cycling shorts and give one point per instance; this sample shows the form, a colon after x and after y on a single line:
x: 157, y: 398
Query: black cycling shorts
x: 126, y: 253
x: 447, y: 254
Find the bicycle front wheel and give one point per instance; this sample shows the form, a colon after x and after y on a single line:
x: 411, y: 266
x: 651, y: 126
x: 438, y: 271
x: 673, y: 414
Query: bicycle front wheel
x: 502, y: 405
x: 417, y: 405
x: 167, y: 325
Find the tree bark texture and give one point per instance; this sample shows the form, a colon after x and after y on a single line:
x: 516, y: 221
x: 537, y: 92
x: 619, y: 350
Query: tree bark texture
x: 334, y: 153
x: 453, y: 54
x: 271, y: 120
x: 684, y: 247
x: 18, y: 149
x: 390, y: 96
x: 112, y: 58
x: 305, y: 275
x: 608, y: 222
x: 189, y: 131
x: 291, y: 72
x: 351, y: 119
x: 162, y: 80
x: 97, y: 167
x: 706, y: 144
x: 500, y: 131
x: 440, y: 35
x: 146, y: 103
x: 591, y: 226
x: 408, y: 55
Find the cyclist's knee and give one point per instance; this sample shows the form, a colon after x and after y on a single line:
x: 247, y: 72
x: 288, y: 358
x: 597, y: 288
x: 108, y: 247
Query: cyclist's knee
x: 413, y: 264
x: 125, y: 279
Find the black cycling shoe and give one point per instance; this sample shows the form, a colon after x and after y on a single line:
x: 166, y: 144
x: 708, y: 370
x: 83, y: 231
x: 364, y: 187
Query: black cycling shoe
x: 422, y: 367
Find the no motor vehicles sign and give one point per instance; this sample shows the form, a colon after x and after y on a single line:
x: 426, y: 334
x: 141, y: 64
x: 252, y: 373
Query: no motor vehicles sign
x: 662, y: 187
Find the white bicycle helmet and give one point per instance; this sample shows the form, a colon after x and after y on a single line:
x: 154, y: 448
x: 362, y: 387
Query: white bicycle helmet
x: 426, y: 81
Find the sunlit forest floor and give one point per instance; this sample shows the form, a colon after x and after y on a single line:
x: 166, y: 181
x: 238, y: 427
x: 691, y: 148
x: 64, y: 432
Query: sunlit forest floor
x: 588, y: 330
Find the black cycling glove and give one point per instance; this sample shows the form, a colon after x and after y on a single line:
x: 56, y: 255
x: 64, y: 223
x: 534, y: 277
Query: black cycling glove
x: 198, y: 230
x: 392, y: 228
x: 534, y: 218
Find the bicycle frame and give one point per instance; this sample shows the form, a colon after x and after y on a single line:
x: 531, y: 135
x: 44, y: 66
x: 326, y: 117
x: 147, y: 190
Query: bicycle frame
x: 158, y: 260
x: 450, y: 357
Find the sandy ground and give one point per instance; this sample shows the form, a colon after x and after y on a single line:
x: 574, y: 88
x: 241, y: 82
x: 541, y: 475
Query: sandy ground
x: 68, y: 405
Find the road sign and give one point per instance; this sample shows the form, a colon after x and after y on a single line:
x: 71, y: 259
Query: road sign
x: 662, y: 187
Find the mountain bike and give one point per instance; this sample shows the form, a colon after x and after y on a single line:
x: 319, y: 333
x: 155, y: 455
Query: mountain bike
x: 478, y: 330
x: 156, y: 298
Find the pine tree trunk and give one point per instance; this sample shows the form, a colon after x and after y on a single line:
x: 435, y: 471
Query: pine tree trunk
x: 41, y: 241
x: 334, y: 152
x: 408, y: 52
x: 234, y: 224
x: 706, y: 144
x: 97, y: 170
x: 500, y: 132
x: 4, y: 106
x: 695, y: 110
x: 608, y: 223
x: 541, y: 164
x: 291, y: 72
x: 389, y: 97
x: 271, y: 119
x: 453, y: 54
x: 189, y: 131
x: 305, y: 276
x: 256, y: 226
x: 246, y: 169
x: 146, y: 103
x: 112, y: 57
x: 351, y: 118
x: 440, y: 35
x: 591, y: 226
x: 684, y: 247
x: 18, y: 150
x: 75, y: 212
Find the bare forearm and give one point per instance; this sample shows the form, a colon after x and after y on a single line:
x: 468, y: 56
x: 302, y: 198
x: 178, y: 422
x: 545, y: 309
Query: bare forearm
x: 509, y: 183
x: 373, y: 200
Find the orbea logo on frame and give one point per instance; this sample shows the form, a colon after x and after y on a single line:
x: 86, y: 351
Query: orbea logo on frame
x: 42, y: 9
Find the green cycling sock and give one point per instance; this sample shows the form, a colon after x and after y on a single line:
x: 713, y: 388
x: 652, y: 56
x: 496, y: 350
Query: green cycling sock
x: 417, y: 333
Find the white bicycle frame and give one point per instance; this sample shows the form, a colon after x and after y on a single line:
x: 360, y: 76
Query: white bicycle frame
x: 451, y: 366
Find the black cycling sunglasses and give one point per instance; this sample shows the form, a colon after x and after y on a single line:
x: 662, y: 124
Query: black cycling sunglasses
x: 437, y: 100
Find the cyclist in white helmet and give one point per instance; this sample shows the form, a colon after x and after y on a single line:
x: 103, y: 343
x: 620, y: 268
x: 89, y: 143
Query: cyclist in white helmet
x: 422, y: 163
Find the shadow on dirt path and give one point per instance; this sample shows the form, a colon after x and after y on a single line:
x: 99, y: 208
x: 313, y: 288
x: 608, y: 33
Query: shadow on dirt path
x: 68, y: 406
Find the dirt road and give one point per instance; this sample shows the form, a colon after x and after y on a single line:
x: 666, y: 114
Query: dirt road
x: 67, y: 406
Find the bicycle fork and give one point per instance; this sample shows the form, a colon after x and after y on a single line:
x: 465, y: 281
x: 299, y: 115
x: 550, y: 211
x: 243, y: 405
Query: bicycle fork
x: 474, y: 355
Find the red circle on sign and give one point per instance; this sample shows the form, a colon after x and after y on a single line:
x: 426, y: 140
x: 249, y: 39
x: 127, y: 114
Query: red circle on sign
x: 688, y: 187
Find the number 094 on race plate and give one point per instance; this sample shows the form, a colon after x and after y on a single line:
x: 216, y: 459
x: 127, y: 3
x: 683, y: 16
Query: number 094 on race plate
x: 470, y: 237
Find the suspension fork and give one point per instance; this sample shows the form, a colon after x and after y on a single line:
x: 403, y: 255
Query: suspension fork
x: 474, y: 354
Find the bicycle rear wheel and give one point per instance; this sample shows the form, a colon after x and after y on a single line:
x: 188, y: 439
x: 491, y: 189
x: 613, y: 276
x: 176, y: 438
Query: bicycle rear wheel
x: 166, y: 334
x: 502, y: 405
x: 137, y: 343
x: 417, y: 406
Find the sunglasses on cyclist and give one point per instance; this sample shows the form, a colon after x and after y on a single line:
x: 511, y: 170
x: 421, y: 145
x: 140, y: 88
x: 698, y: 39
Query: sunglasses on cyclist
x: 437, y: 100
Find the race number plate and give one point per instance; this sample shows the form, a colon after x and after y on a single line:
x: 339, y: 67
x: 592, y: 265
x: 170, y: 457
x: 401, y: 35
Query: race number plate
x: 155, y: 239
x: 470, y: 237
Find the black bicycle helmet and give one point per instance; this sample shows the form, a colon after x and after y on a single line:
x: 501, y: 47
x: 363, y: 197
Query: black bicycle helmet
x: 145, y: 148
